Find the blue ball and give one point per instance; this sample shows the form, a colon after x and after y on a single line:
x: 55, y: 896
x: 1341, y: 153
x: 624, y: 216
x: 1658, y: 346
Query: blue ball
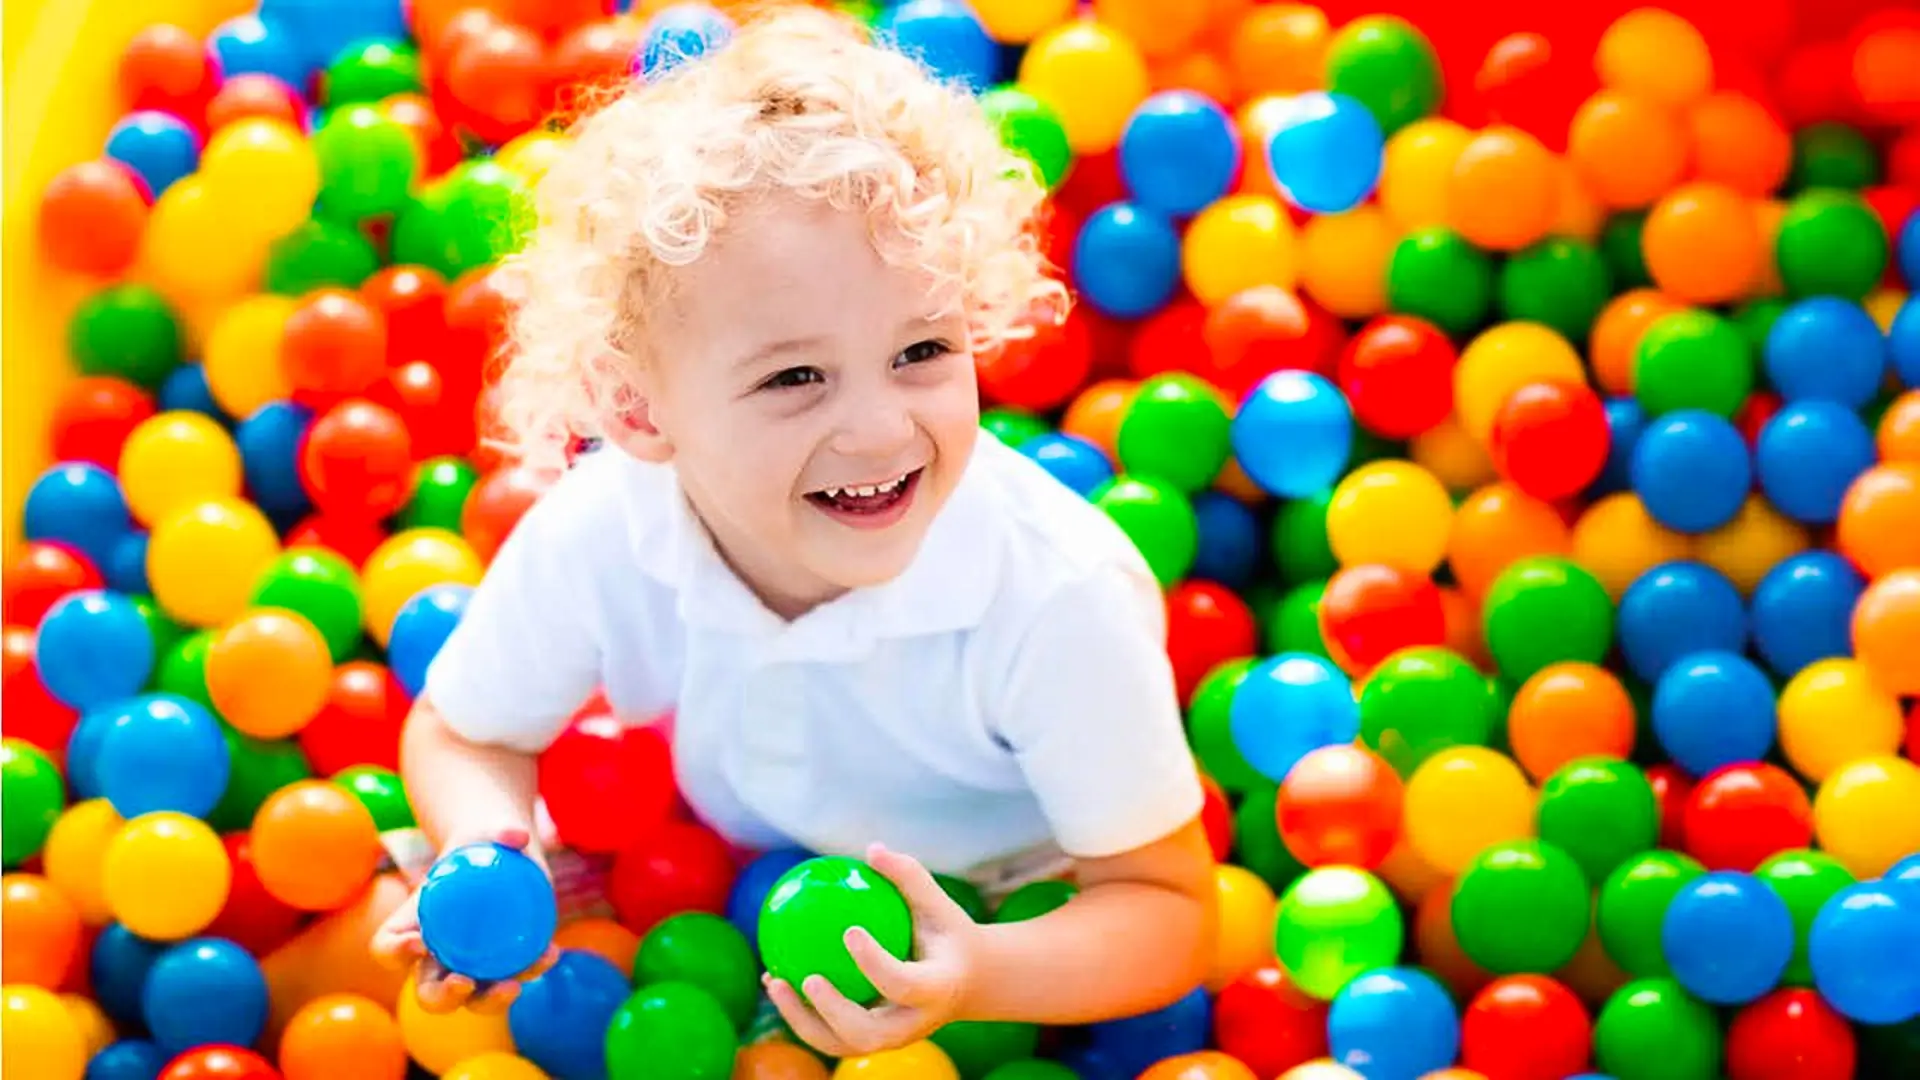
x: 1826, y: 349
x: 126, y: 567
x: 205, y: 990
x: 1071, y: 460
x: 1808, y: 454
x: 1123, y: 1049
x: 487, y: 911
x: 78, y: 504
x: 1691, y: 470
x: 1712, y: 709
x: 1675, y: 609
x: 117, y: 970
x: 1180, y: 152
x: 1803, y: 610
x: 1229, y: 549
x: 1393, y: 1023
x: 159, y: 147
x: 423, y: 625
x: 1625, y: 421
x: 1903, y: 342
x: 1728, y: 937
x: 946, y: 38
x: 163, y: 728
x: 754, y: 882
x: 93, y: 648
x: 1326, y: 151
x: 1289, y: 706
x: 186, y: 390
x: 1906, y: 872
x: 681, y: 33
x: 1126, y: 260
x: 83, y: 745
x: 1910, y: 251
x: 1853, y: 946
x: 559, y: 1022
x: 128, y: 1059
x: 269, y: 444
x: 322, y: 29
x: 1293, y: 434
x: 249, y: 44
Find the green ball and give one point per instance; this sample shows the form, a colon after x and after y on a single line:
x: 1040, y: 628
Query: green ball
x: 440, y: 488
x: 1626, y: 257
x: 1421, y: 701
x: 808, y: 912
x: 369, y: 163
x: 1542, y: 610
x: 1651, y: 1030
x: 1693, y: 359
x: 183, y: 670
x: 165, y: 632
x: 1560, y: 282
x: 1157, y: 518
x: 129, y: 332
x: 1601, y: 811
x: 1034, y: 899
x: 486, y: 214
x: 1293, y: 625
x: 1436, y: 275
x: 962, y: 892
x: 382, y: 792
x: 703, y: 950
x: 371, y: 71
x: 1833, y: 155
x: 670, y: 1031
x: 257, y: 768
x: 1633, y: 903
x: 1030, y: 128
x: 1333, y: 925
x: 1176, y: 429
x: 978, y: 1047
x: 1831, y: 243
x: 1755, y: 319
x: 1013, y: 426
x: 321, y: 586
x: 1209, y: 728
x: 1387, y: 65
x: 31, y: 796
x: 1256, y: 840
x: 1302, y: 551
x: 1805, y: 880
x: 1033, y: 1069
x: 319, y: 253
x: 1521, y: 906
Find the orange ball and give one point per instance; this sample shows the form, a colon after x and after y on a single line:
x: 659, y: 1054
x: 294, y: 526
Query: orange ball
x: 1580, y: 217
x: 1899, y: 435
x: 1767, y: 216
x: 1615, y: 338
x: 1616, y: 540
x: 1463, y: 627
x: 314, y: 846
x: 1702, y: 244
x: 39, y: 931
x: 1096, y: 414
x: 1879, y: 527
x: 343, y: 1035
x: 618, y: 945
x: 1629, y: 149
x: 1200, y: 1065
x: 1341, y: 805
x: 1278, y: 49
x: 1439, y: 950
x: 1158, y: 27
x: 1739, y: 142
x: 1886, y: 631
x: 1497, y: 526
x: 777, y: 1060
x: 269, y: 673
x: 1504, y: 191
x: 1203, y: 73
x: 1657, y: 53
x: 1569, y: 710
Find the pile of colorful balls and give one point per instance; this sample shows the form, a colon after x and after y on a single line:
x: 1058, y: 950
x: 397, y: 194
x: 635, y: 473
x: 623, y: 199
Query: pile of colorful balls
x: 1525, y: 426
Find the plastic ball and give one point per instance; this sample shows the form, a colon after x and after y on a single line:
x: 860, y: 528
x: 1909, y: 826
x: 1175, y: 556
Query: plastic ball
x: 810, y: 909
x: 162, y: 727
x: 1877, y: 517
x: 314, y: 845
x: 91, y: 217
x: 1676, y: 609
x: 1421, y: 701
x: 93, y: 648
x: 1437, y: 275
x: 1521, y: 906
x: 1503, y: 192
x: 1653, y: 1025
x: 1388, y: 65
x: 127, y: 331
x: 1702, y: 244
x: 1462, y: 799
x: 1790, y: 1030
x: 1176, y: 430
x: 1528, y: 1027
x: 421, y: 628
x: 264, y: 174
x: 1396, y: 1021
x: 1335, y: 924
x: 165, y: 876
x: 1601, y: 811
x: 1802, y: 610
x: 1550, y: 438
x: 1126, y: 260
x: 1092, y: 75
x: 439, y: 1041
x: 1629, y: 149
x: 157, y: 147
x: 1289, y: 706
x: 1179, y: 152
x: 1865, y: 814
x: 1293, y: 435
x: 1852, y: 938
x: 1832, y: 713
x: 1727, y: 938
x: 1831, y: 243
x: 367, y: 162
x: 342, y: 1033
x: 1157, y: 518
x: 404, y: 565
x: 1501, y: 361
x: 1416, y: 163
x: 1561, y: 282
x: 268, y: 673
x: 1543, y: 610
x: 1326, y: 151
x: 1340, y: 804
x: 42, y: 1038
x: 1886, y: 627
x: 1713, y: 708
x: 945, y: 37
x: 1805, y: 880
x: 1826, y: 349
x: 1691, y: 470
x: 203, y: 559
x: 204, y: 991
x: 486, y: 911
x: 1397, y: 374
x: 1738, y: 816
x: 1807, y: 457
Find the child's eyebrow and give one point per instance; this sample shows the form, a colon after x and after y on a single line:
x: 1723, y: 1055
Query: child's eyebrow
x: 783, y: 347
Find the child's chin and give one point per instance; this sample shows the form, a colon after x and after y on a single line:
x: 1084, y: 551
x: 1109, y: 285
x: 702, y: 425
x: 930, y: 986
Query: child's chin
x: 869, y: 562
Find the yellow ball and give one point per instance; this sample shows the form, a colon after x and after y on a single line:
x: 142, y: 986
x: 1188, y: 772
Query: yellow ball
x: 406, y: 563
x: 1243, y: 939
x: 1390, y: 512
x: 915, y: 1061
x: 203, y: 560
x: 193, y: 250
x: 264, y: 173
x: 1616, y: 540
x: 1017, y: 21
x: 1463, y: 799
x: 495, y: 1065
x: 1867, y: 814
x: 1321, y: 1069
x: 175, y: 459
x: 1754, y: 542
x: 166, y: 875
x: 1092, y: 76
x: 1503, y: 359
x: 39, y: 1039
x: 530, y: 155
x: 1451, y: 455
x: 440, y: 1041
x: 1235, y: 244
x: 1413, y: 175
x: 1832, y: 714
x: 1343, y: 261
x: 1883, y: 305
x: 76, y: 855
x: 96, y: 1031
x: 242, y: 357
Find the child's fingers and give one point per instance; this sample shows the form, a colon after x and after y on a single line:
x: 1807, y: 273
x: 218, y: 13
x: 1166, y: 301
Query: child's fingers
x: 496, y: 998
x: 517, y: 839
x: 397, y: 947
x: 443, y: 994
x: 805, y: 1024
x: 540, y: 966
x: 916, y: 884
x: 897, y: 980
x: 849, y: 1022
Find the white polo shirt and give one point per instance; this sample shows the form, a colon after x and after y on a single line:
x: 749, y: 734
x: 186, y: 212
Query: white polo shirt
x: 1006, y: 697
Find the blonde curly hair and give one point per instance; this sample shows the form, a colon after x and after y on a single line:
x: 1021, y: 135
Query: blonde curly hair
x: 797, y: 102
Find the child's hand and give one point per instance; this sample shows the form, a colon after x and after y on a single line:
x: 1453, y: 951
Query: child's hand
x: 921, y: 995
x: 398, y: 944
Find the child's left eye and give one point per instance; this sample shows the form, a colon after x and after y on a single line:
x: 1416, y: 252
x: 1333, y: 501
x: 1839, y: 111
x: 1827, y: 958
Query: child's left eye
x: 922, y: 351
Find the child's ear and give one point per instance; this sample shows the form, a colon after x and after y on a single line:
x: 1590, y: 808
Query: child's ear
x: 630, y: 427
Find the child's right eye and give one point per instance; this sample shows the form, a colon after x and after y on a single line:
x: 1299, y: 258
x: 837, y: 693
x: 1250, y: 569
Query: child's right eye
x: 792, y: 377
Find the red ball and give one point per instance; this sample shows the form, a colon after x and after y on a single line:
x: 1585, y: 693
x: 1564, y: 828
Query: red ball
x: 39, y: 576
x: 552, y: 18
x: 360, y: 723
x: 94, y: 416
x: 439, y: 147
x: 357, y: 461
x: 251, y: 917
x: 678, y: 867
x: 1740, y: 814
x: 1672, y: 790
x: 219, y: 1063
x: 1550, y: 439
x: 592, y: 60
x: 1094, y: 182
x: 1760, y: 407
x: 334, y: 346
x: 351, y: 538
x: 1903, y: 159
x: 496, y: 504
x: 1216, y: 818
x: 1397, y: 373
x: 608, y: 786
x: 496, y: 83
x: 1526, y: 1027
x: 412, y: 301
x: 1171, y: 339
x: 255, y: 95
x: 1911, y: 744
x: 167, y: 69
x: 1815, y: 84
x: 92, y: 216
x: 439, y: 418
x: 1371, y: 611
x: 1340, y: 805
x: 32, y: 713
x: 1041, y: 372
x: 1207, y: 625
x: 1258, y: 331
x: 1522, y: 83
x: 1268, y: 1023
x: 478, y: 304
x: 1791, y: 1034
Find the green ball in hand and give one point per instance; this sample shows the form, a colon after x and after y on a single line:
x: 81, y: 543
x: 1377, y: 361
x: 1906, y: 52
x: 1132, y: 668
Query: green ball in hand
x: 806, y: 916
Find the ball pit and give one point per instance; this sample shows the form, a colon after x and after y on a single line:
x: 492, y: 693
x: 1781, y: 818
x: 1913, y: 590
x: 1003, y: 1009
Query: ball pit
x: 1521, y: 420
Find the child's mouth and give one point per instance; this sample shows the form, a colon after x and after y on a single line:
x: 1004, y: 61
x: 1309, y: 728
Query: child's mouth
x: 868, y: 505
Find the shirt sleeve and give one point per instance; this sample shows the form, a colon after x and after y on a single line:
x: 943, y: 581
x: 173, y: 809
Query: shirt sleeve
x: 1090, y: 712
x: 526, y: 653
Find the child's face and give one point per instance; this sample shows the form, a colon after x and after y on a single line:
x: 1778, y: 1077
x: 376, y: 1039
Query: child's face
x: 816, y: 401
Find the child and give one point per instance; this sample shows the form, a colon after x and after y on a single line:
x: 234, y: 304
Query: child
x: 762, y: 281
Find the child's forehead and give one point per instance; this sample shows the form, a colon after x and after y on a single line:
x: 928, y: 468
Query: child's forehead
x: 799, y: 258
